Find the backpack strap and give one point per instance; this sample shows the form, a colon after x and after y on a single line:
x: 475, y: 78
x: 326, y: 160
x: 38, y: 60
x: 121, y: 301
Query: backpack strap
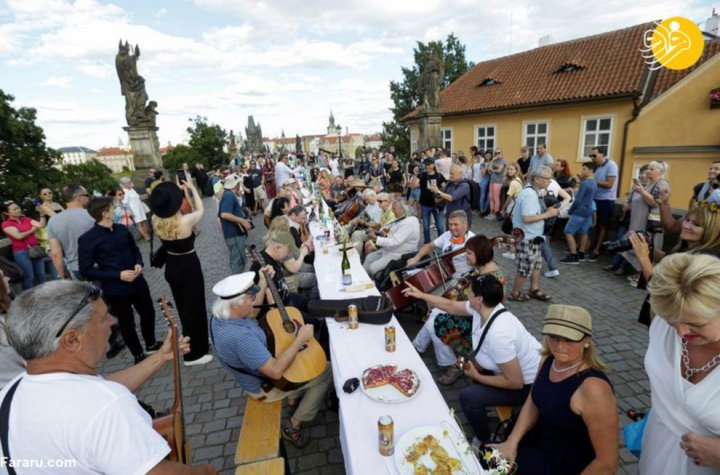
x: 5, y: 427
x: 485, y: 330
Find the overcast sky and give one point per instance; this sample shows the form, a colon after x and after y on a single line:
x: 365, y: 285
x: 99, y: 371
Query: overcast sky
x: 286, y: 62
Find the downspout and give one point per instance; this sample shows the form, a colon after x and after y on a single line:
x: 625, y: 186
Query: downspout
x: 639, y: 101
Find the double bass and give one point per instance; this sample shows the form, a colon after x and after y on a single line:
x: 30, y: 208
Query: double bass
x: 172, y: 425
x: 439, y: 272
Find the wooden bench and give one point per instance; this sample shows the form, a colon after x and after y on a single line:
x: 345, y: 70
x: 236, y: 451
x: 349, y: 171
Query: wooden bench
x: 258, y: 446
x: 274, y: 466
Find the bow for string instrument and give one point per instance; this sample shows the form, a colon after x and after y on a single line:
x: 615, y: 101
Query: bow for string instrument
x: 281, y: 325
x: 436, y: 274
x: 172, y: 425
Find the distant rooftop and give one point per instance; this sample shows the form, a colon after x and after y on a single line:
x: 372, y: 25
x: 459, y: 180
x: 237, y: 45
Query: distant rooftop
x: 75, y: 150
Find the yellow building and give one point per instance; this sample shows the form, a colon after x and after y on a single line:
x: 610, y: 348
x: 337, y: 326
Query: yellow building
x: 587, y: 92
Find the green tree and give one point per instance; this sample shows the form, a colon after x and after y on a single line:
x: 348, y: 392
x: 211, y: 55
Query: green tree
x: 26, y: 163
x: 180, y: 154
x: 208, y: 141
x: 93, y: 175
x: 405, y: 96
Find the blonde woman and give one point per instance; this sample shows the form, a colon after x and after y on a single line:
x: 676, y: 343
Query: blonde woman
x: 683, y: 429
x: 515, y: 183
x: 579, y: 435
x: 182, y: 270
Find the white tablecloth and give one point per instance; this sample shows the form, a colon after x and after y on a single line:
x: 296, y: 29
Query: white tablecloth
x: 353, y: 351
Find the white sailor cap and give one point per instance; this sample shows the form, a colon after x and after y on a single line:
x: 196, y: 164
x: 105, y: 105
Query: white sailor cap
x: 236, y: 285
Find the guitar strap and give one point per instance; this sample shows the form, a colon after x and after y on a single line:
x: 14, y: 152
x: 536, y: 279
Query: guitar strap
x: 5, y: 427
x: 485, y: 330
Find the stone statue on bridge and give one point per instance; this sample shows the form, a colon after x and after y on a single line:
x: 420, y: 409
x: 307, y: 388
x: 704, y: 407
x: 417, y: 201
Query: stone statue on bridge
x: 430, y: 82
x: 137, y: 110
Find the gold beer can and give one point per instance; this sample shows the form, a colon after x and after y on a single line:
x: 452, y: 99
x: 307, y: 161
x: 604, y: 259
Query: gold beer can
x: 385, y: 436
x: 353, y: 317
x: 390, y: 338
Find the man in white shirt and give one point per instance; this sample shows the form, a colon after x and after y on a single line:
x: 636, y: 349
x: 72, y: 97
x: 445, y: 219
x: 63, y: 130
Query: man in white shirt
x: 60, y: 408
x: 450, y: 241
x: 443, y: 164
x: 282, y: 171
x: 402, y: 237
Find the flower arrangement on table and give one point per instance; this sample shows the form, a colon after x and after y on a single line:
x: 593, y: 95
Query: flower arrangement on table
x: 494, y: 462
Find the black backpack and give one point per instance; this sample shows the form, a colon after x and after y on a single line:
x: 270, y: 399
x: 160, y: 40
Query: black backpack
x: 209, y: 188
x: 474, y: 193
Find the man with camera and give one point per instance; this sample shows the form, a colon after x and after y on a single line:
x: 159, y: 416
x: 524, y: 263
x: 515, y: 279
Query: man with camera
x: 235, y: 223
x: 529, y: 215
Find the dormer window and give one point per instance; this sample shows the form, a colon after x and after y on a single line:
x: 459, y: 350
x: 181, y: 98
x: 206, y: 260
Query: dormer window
x: 488, y: 82
x: 569, y: 67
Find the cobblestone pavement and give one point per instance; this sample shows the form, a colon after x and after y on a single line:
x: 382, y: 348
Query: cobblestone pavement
x: 214, y: 404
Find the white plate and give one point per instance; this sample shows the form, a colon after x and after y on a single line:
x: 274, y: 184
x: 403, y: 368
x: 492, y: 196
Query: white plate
x: 456, y: 446
x: 388, y: 392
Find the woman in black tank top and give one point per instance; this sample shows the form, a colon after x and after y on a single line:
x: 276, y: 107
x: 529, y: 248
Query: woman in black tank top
x: 569, y: 423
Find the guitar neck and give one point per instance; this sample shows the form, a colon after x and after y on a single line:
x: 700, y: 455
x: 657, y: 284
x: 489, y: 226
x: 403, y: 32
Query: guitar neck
x: 271, y: 285
x: 177, y: 407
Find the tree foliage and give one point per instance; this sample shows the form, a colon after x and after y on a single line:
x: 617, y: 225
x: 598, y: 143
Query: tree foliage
x: 405, y: 96
x: 208, y: 141
x: 28, y: 164
x: 180, y: 154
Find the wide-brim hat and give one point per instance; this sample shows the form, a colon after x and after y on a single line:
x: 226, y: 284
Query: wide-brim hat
x: 567, y: 321
x: 358, y: 183
x: 166, y: 199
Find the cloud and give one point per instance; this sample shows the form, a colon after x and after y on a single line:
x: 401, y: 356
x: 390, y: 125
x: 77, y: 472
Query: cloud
x: 161, y: 13
x: 97, y: 70
x: 58, y: 81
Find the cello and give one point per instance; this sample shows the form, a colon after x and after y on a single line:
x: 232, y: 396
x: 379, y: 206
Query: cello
x: 172, y: 425
x: 438, y: 273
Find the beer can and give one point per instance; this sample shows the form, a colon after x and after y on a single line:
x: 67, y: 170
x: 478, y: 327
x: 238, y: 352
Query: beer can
x: 385, y: 436
x: 390, y: 338
x: 353, y: 316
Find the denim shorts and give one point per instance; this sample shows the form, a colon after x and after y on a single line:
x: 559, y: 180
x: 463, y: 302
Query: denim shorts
x: 578, y: 224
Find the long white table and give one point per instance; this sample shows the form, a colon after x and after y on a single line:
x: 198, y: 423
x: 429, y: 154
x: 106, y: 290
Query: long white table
x: 352, y: 351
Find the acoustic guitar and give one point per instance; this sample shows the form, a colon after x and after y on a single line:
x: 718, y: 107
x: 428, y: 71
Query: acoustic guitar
x: 172, y: 425
x: 281, y: 325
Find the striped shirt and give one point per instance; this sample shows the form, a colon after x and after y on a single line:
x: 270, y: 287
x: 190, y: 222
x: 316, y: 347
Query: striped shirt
x: 241, y: 343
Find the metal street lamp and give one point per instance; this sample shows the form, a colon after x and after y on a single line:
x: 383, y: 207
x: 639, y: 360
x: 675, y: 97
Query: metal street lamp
x: 339, y: 132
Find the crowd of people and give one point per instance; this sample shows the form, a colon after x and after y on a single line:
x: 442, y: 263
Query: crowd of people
x: 397, y: 214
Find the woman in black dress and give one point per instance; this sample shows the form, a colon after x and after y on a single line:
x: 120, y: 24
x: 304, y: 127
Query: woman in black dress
x: 182, y: 270
x: 395, y: 180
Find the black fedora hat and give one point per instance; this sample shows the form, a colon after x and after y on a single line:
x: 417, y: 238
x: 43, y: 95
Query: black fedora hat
x: 166, y: 199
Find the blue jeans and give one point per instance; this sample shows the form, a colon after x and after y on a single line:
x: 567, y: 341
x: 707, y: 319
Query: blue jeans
x: 484, y: 193
x: 437, y: 215
x: 548, y: 254
x: 236, y: 245
x: 33, y: 269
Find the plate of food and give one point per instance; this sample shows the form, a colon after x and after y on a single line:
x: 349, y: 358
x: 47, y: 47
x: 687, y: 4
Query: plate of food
x: 388, y: 383
x: 435, y: 450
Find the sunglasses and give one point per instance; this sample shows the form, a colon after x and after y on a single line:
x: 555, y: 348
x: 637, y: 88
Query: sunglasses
x: 93, y: 293
x: 84, y: 194
x: 382, y: 201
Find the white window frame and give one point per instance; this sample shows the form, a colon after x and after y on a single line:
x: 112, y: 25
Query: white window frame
x: 536, y: 135
x: 583, y: 123
x: 444, y: 140
x: 476, y: 127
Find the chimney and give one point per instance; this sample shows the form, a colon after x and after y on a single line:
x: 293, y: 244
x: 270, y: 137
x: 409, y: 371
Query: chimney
x: 712, y: 25
x: 545, y: 40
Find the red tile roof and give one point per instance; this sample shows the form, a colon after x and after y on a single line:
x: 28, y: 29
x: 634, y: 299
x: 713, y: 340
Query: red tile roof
x: 606, y: 65
x: 110, y: 151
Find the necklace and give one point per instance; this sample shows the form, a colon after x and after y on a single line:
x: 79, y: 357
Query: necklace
x: 690, y: 372
x: 565, y: 370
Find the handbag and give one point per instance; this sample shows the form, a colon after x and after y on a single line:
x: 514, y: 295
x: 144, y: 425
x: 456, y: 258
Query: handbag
x: 633, y: 434
x: 37, y: 252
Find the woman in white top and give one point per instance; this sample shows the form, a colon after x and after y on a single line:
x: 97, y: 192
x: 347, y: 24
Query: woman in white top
x: 504, y: 364
x: 682, y: 436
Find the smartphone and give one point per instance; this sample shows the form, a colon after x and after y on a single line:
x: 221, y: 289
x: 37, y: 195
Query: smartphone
x: 636, y: 181
x: 182, y: 178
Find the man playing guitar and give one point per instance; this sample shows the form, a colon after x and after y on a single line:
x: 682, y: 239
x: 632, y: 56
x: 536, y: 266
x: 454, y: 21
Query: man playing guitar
x: 242, y: 347
x: 399, y: 237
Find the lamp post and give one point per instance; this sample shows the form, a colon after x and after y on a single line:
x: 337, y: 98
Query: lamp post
x: 339, y: 132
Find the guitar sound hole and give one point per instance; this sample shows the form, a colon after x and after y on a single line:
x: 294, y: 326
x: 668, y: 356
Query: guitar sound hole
x: 289, y: 326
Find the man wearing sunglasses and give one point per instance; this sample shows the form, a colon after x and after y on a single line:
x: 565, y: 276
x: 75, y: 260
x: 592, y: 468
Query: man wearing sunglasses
x: 60, y: 408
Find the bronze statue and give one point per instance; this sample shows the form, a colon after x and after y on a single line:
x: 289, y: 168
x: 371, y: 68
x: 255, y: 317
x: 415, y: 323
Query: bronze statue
x: 137, y: 110
x: 430, y: 82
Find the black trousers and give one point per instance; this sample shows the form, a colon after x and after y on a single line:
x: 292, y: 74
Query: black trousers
x: 121, y: 307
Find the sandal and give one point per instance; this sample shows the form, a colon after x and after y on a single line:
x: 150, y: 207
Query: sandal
x: 538, y: 294
x: 449, y: 376
x: 297, y: 437
x: 518, y: 297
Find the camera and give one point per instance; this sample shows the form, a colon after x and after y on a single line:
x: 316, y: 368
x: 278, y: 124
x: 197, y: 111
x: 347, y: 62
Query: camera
x: 624, y: 244
x: 182, y: 178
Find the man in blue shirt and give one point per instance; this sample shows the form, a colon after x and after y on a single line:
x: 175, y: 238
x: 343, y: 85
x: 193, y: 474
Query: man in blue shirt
x: 242, y: 347
x: 529, y: 215
x: 108, y: 254
x: 541, y: 159
x: 235, y: 223
x: 606, y: 176
x: 457, y: 194
x: 581, y: 215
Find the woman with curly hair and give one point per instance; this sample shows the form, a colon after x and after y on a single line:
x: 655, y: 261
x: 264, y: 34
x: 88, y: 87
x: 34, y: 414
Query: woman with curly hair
x: 182, y: 270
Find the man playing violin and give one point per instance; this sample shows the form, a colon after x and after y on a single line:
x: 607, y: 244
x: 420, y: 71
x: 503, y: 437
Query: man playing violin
x: 449, y: 241
x: 380, y: 214
x: 399, y: 237
x: 60, y: 408
x: 242, y: 347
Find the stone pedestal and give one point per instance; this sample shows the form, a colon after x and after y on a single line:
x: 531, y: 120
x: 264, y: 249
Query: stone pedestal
x: 429, y: 128
x: 145, y: 146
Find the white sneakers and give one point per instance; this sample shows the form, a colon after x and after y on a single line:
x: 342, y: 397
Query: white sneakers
x: 205, y: 359
x: 509, y: 255
x: 552, y: 273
